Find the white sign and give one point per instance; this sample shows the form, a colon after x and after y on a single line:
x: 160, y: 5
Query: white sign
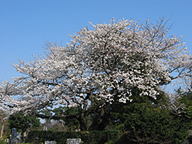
x: 74, y: 141
x: 50, y: 142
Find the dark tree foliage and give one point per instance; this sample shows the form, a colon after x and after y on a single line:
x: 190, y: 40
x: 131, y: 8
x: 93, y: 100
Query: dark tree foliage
x: 146, y: 120
x: 186, y: 99
x: 72, y: 123
x: 111, y: 115
x: 155, y: 125
x: 22, y: 122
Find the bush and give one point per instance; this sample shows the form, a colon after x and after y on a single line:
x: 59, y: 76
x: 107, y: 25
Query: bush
x: 124, y: 138
x: 155, y: 125
x: 88, y: 137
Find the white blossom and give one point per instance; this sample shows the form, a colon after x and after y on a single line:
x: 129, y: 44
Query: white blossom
x: 106, y: 63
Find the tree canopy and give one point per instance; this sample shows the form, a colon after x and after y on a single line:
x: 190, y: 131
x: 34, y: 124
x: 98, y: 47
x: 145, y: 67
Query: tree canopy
x: 99, y: 67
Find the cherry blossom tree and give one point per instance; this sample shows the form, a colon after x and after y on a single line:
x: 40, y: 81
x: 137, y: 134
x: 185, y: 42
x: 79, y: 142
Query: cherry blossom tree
x: 98, y: 67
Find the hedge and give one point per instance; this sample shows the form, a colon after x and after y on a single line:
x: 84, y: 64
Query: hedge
x: 88, y: 137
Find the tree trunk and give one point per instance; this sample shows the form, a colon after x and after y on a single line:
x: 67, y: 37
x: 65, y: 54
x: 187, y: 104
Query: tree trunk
x: 83, y: 123
x: 2, y: 128
x: 96, y: 125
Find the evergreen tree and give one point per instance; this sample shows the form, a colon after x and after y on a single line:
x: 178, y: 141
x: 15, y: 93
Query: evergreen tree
x: 22, y: 122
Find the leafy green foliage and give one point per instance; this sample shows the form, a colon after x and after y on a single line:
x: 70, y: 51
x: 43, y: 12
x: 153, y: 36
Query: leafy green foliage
x: 22, y: 123
x: 155, y: 125
x: 146, y: 120
x: 72, y: 123
x: 120, y: 111
x: 186, y: 99
x: 88, y: 137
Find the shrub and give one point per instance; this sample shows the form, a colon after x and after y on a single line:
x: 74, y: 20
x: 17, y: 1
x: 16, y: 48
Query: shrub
x: 155, y: 125
x: 88, y: 137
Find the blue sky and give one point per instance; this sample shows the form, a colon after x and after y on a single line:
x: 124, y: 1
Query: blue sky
x: 25, y: 25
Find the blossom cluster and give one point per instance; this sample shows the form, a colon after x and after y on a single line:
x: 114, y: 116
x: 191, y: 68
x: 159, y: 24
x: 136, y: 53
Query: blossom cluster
x: 105, y: 63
